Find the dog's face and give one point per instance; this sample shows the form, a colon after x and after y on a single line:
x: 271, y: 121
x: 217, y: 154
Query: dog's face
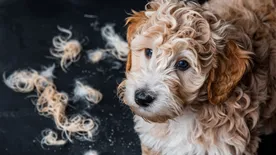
x: 173, y: 55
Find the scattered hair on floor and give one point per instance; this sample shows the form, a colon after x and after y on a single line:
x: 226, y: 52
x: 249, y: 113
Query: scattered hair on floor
x: 117, y: 45
x: 50, y: 138
x: 91, y: 152
x: 66, y: 49
x: 51, y: 103
x: 86, y: 92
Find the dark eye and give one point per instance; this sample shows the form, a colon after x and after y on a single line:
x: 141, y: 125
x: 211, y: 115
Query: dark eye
x: 148, y: 53
x: 182, y: 65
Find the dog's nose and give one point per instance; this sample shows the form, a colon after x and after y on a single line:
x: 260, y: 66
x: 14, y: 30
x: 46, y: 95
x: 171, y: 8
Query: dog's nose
x: 144, y: 98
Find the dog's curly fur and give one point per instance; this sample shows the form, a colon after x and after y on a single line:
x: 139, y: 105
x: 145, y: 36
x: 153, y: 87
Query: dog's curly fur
x: 226, y: 99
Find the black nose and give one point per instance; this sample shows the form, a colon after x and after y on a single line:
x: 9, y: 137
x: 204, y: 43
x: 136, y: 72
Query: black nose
x: 144, y: 98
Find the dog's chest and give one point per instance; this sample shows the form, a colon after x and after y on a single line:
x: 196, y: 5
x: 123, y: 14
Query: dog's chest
x: 172, y: 138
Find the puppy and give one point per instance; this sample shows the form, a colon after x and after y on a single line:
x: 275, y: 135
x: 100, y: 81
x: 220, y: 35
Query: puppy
x: 201, y: 79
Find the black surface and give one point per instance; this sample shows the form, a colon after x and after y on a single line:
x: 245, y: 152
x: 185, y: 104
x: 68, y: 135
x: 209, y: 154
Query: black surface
x: 26, y: 31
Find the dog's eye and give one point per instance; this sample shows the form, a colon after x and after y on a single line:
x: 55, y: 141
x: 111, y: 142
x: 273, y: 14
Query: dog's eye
x: 182, y: 65
x: 148, y: 53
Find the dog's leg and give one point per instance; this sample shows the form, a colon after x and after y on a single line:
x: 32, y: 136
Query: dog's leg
x: 147, y: 151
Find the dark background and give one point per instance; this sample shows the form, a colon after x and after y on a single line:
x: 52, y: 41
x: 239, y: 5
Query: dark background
x: 26, y: 31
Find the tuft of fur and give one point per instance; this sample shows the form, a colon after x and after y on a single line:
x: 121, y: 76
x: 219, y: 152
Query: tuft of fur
x: 66, y: 49
x: 21, y: 81
x: 86, y: 92
x: 96, y: 55
x: 115, y: 45
x: 118, y: 47
x: 50, y: 138
x: 226, y: 98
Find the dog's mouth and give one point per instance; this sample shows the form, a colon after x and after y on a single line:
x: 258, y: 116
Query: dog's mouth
x: 153, y: 113
x: 149, y: 116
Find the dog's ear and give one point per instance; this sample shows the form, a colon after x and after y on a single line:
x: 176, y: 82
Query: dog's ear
x: 229, y: 70
x: 133, y: 22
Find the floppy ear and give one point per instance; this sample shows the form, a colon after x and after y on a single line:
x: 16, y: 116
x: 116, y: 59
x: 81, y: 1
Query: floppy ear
x: 231, y: 67
x: 133, y: 22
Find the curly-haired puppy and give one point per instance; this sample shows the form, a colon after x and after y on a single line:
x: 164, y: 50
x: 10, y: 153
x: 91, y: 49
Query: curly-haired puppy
x: 202, y: 79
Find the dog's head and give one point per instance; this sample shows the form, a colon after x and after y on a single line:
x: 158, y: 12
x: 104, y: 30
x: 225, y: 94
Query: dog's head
x: 180, y: 53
